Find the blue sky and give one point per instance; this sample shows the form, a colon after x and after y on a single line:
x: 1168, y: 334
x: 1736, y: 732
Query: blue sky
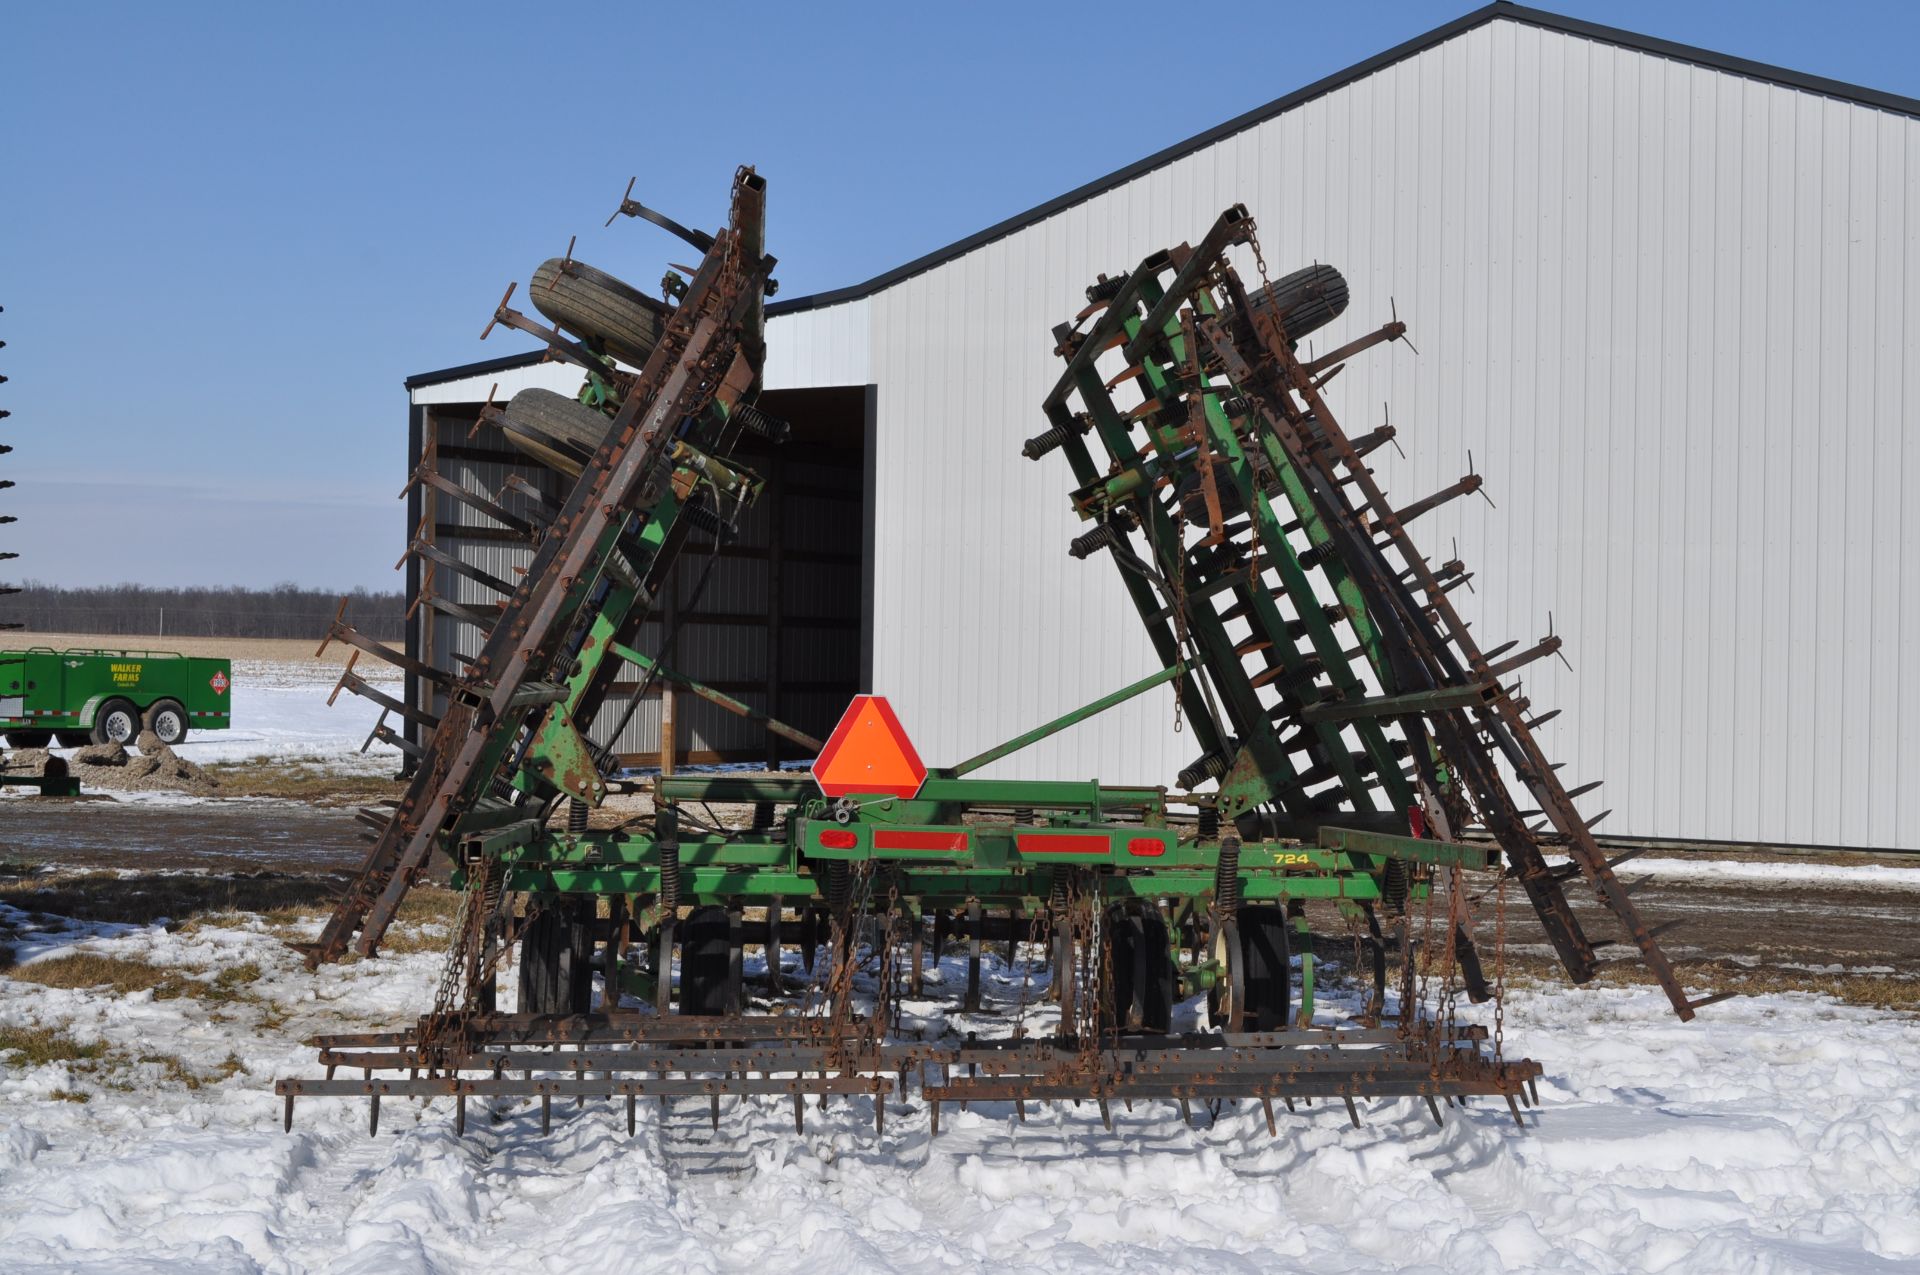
x: 227, y: 232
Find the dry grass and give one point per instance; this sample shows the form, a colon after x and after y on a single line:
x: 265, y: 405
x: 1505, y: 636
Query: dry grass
x: 176, y: 1071
x: 126, y: 976
x: 307, y: 779
x: 38, y: 1046
x: 1869, y: 991
x: 90, y: 970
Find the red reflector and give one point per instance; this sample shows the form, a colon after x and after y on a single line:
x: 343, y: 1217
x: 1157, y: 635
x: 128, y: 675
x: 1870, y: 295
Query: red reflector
x: 892, y: 839
x: 839, y: 839
x: 1040, y: 843
x: 1146, y: 847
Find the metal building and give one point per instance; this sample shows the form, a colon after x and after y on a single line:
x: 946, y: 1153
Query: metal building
x: 1667, y: 301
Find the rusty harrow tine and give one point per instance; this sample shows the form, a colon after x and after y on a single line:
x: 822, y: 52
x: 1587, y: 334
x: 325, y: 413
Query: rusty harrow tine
x: 433, y: 553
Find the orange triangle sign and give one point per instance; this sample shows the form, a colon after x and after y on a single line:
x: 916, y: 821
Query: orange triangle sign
x: 868, y: 752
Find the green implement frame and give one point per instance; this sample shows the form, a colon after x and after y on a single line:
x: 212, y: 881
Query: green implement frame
x: 1355, y: 747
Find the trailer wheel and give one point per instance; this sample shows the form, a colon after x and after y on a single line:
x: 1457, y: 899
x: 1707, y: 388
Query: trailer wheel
x: 559, y: 432
x: 167, y: 719
x: 116, y: 722
x: 600, y: 309
x: 706, y: 963
x: 29, y: 738
x: 73, y: 738
x: 1141, y: 997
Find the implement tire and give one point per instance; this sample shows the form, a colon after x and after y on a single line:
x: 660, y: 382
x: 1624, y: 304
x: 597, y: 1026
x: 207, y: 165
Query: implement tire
x: 1267, y: 959
x: 610, y: 316
x: 706, y: 963
x: 31, y: 738
x: 560, y: 432
x: 556, y: 953
x: 1303, y: 301
x: 1141, y: 998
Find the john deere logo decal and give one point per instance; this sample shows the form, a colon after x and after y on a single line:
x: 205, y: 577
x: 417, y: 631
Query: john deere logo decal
x: 218, y: 683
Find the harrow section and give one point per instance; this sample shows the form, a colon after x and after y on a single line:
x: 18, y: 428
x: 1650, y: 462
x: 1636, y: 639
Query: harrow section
x: 1159, y: 942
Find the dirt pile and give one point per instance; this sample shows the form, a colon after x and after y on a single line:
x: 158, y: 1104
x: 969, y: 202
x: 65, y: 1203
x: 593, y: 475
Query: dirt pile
x: 154, y: 769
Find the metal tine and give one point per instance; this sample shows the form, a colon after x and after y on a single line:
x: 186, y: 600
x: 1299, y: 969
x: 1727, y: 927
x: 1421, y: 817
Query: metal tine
x: 460, y: 611
x: 1467, y: 484
x: 344, y: 632
x: 430, y: 552
x: 486, y: 410
x: 350, y: 681
x: 557, y: 343
x: 482, y: 501
x: 1549, y: 645
x: 544, y: 507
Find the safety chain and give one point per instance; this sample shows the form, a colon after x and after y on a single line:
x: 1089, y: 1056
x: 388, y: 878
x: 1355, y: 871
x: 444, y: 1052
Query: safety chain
x: 1253, y: 241
x: 1026, y: 965
x: 463, y: 954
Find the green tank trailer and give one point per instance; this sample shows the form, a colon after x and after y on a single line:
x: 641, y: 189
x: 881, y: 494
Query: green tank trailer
x: 78, y: 696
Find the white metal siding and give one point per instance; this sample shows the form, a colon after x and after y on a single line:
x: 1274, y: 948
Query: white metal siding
x: 813, y: 348
x: 1670, y: 311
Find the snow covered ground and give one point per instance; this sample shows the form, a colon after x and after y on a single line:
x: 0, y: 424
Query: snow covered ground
x: 1776, y: 1133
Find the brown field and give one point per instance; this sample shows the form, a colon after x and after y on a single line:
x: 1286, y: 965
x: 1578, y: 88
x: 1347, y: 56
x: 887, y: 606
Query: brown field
x: 276, y: 650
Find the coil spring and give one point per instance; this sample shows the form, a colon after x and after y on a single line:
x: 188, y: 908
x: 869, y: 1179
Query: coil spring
x: 666, y: 833
x: 1023, y: 814
x: 1209, y: 822
x: 755, y: 421
x: 1393, y: 890
x: 1094, y: 541
x: 762, y: 815
x: 577, y: 812
x: 702, y: 517
x: 1226, y: 879
x: 1040, y: 444
x: 1206, y: 766
x: 839, y: 885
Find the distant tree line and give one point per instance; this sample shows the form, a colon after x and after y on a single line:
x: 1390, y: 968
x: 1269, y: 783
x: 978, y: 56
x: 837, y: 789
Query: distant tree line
x: 283, y: 611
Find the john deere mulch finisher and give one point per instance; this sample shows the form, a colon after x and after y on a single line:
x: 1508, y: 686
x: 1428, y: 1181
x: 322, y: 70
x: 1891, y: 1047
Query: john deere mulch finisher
x: 1354, y: 751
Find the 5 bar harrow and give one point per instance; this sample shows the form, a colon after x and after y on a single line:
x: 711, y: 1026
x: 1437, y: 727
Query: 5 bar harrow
x: 1157, y: 939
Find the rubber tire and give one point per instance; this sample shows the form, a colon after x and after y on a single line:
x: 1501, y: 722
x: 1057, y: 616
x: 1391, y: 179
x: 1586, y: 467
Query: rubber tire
x: 155, y: 714
x: 607, y: 314
x: 1304, y: 301
x: 72, y: 738
x: 32, y: 738
x: 1142, y: 972
x: 560, y: 432
x: 101, y: 733
x: 706, y: 963
x: 1267, y: 959
x: 556, y: 954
